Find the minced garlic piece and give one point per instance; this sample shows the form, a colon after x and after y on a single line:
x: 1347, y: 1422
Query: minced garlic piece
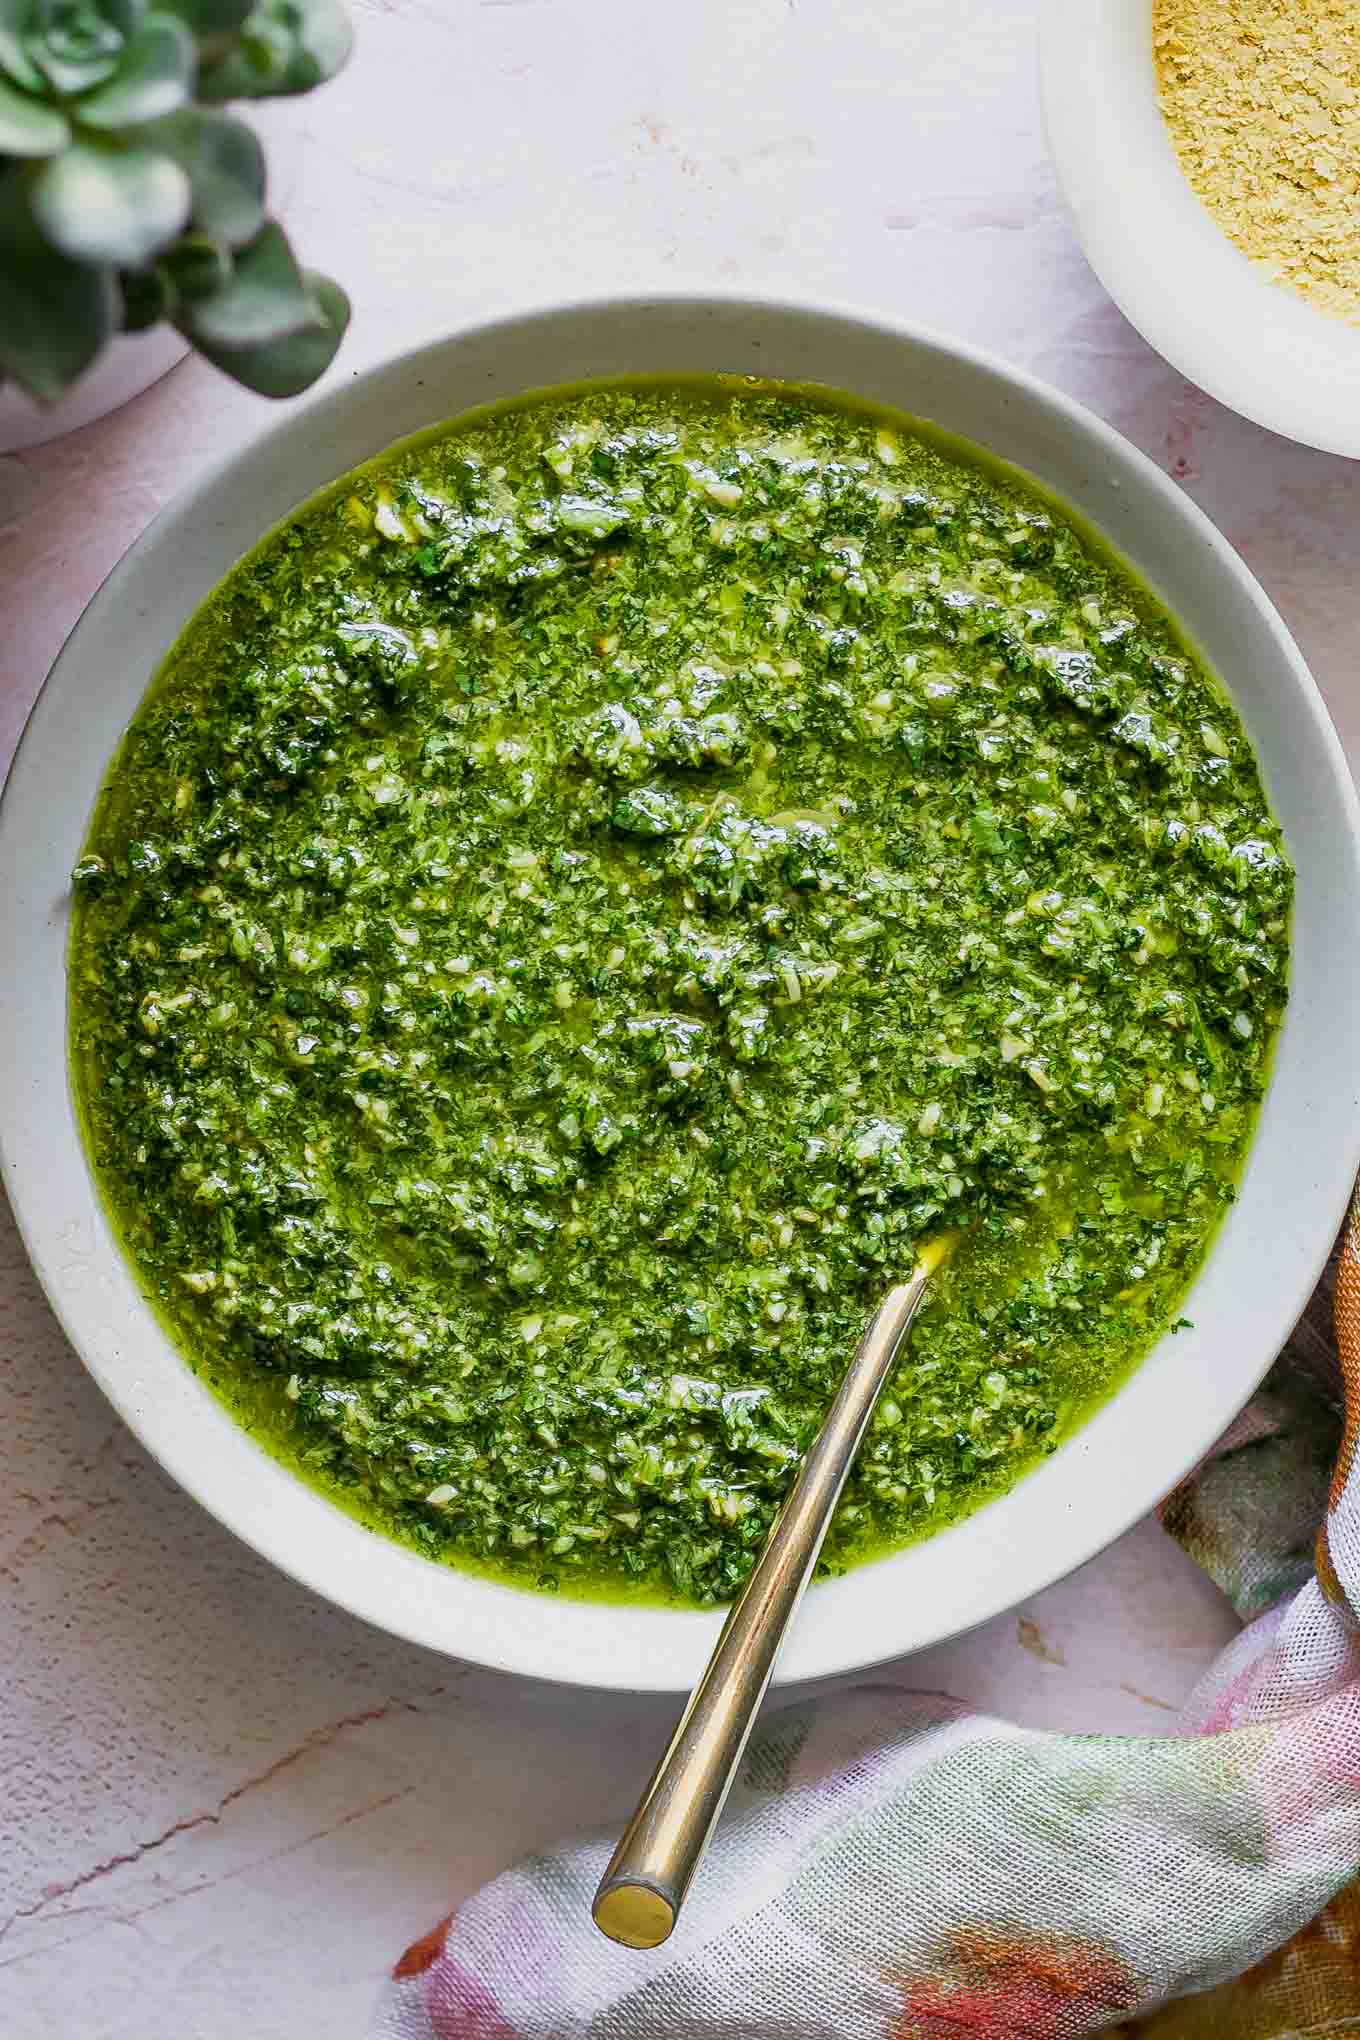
x: 1262, y: 98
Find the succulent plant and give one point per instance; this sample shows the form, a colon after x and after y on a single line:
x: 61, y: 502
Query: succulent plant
x: 128, y: 196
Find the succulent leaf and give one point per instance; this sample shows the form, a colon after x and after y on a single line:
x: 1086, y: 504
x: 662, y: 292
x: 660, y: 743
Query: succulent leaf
x: 27, y: 126
x: 147, y: 299
x: 55, y: 314
x: 264, y: 300
x: 286, y: 46
x: 254, y: 66
x: 76, y: 44
x: 225, y: 166
x: 98, y: 203
x: 14, y: 58
x: 155, y: 77
x: 325, y: 38
x: 196, y: 267
x: 213, y: 17
x: 126, y: 15
x: 282, y: 368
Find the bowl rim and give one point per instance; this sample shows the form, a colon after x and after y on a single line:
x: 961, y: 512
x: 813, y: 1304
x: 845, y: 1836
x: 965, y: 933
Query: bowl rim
x: 1259, y: 347
x: 847, y: 1624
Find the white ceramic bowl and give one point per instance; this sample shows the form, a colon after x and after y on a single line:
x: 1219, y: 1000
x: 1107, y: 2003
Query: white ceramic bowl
x: 1265, y: 1261
x: 1258, y: 347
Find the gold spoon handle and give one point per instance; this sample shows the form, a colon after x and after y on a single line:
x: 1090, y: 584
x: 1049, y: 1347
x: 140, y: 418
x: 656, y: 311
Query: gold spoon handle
x: 641, y: 1892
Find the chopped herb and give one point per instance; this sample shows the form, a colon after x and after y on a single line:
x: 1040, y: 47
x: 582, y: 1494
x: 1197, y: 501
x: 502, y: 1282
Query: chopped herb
x: 584, y: 900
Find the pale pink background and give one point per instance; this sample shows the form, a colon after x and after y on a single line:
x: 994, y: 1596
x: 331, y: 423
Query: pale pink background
x: 225, y: 1806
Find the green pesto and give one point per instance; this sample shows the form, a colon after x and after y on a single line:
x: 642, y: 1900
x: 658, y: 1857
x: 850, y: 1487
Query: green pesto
x: 589, y: 894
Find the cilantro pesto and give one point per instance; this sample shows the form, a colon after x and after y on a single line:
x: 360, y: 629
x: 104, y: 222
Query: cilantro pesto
x: 588, y: 895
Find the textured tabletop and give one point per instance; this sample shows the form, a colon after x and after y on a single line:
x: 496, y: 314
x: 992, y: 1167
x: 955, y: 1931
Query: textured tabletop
x: 227, y: 1806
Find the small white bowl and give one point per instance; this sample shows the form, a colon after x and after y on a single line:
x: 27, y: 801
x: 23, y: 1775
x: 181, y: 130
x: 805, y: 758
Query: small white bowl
x: 1257, y: 346
x: 1265, y: 1261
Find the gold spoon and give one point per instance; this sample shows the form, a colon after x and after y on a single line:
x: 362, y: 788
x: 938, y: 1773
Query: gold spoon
x: 643, y: 1889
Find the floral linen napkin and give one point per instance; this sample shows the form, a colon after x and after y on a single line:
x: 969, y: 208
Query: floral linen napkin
x: 895, y: 1869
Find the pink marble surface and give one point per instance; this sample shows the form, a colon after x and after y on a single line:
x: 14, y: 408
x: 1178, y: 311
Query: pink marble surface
x: 226, y: 1805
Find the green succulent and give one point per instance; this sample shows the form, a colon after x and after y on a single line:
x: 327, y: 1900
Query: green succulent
x: 127, y: 196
